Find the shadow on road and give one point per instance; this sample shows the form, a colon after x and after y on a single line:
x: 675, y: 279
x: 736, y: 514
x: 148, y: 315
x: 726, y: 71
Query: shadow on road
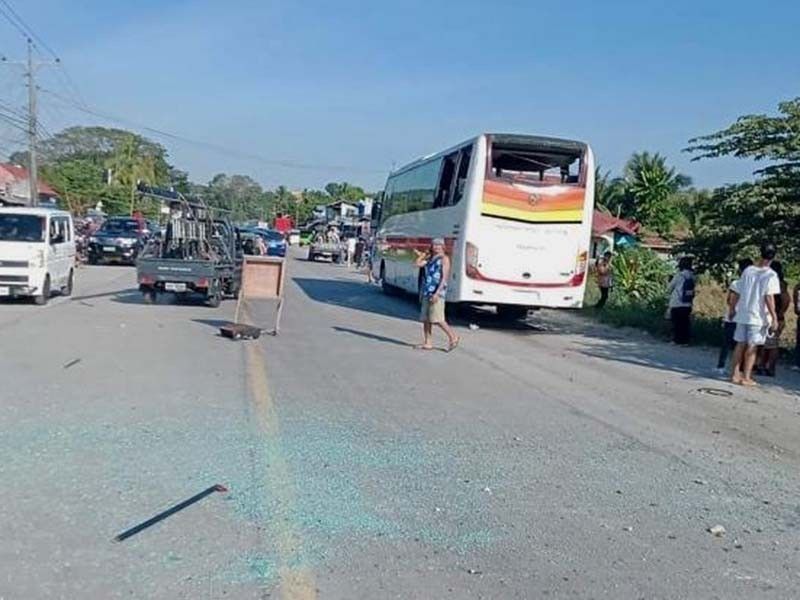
x: 357, y: 296
x: 372, y: 336
x: 115, y: 293
x: 213, y: 323
x: 692, y: 362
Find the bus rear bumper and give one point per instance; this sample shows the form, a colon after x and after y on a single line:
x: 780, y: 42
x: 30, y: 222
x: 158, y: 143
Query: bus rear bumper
x: 493, y: 294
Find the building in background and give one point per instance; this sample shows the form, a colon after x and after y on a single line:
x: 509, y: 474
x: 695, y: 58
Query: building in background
x: 14, y: 187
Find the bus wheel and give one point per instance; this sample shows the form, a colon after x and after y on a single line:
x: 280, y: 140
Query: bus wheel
x: 512, y: 312
x: 388, y: 289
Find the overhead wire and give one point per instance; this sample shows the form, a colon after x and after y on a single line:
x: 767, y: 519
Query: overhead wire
x: 216, y: 147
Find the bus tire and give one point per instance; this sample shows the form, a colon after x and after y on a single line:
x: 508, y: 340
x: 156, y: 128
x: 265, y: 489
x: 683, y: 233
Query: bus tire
x: 512, y: 312
x: 388, y: 289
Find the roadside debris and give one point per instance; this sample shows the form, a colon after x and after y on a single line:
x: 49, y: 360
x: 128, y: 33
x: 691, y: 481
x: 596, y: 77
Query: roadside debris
x: 700, y: 481
x: 72, y: 363
x: 716, y: 530
x: 628, y: 529
x: 169, y: 512
x: 474, y: 327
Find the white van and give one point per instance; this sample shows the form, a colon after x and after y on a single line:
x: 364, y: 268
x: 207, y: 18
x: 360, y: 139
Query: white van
x: 37, y: 253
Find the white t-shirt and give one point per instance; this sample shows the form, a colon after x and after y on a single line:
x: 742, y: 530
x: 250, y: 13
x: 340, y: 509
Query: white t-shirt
x: 755, y: 285
x: 734, y: 287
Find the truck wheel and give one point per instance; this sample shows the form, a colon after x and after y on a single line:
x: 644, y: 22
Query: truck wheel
x: 92, y: 259
x: 311, y: 256
x: 42, y: 298
x: 149, y: 296
x: 67, y: 289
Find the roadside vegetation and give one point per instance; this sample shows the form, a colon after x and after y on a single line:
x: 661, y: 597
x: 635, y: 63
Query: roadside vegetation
x: 717, y: 227
x: 87, y: 165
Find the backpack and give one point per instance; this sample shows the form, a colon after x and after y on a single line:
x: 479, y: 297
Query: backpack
x: 687, y: 291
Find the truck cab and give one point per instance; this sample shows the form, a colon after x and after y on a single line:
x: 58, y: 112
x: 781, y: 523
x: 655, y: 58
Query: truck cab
x: 37, y: 253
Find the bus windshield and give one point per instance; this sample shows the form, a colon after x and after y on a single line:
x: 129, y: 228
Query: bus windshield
x: 21, y: 228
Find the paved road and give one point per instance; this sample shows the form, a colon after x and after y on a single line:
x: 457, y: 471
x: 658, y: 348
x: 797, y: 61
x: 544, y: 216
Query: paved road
x: 549, y: 459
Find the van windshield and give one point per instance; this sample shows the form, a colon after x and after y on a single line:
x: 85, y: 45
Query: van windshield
x: 21, y: 228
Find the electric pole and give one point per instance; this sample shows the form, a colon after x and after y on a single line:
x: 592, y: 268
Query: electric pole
x: 33, y: 167
x: 33, y: 126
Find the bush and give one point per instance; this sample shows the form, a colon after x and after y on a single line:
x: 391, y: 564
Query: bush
x: 640, y: 277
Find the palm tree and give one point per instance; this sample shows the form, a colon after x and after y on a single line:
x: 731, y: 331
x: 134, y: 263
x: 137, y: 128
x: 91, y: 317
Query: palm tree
x: 650, y: 186
x: 609, y: 192
x: 130, y: 165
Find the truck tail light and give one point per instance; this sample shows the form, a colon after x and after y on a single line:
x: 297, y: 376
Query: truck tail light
x: 472, y: 257
x: 146, y: 280
x: 580, y: 269
x: 202, y: 282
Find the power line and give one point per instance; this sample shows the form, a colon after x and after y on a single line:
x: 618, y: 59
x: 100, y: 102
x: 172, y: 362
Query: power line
x: 26, y: 29
x: 215, y: 147
x: 13, y: 22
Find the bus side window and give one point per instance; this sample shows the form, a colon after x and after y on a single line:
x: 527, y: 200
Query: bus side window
x: 446, y: 177
x: 463, y: 173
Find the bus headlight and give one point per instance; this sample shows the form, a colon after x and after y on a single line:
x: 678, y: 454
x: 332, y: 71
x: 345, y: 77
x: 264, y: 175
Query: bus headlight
x: 471, y: 259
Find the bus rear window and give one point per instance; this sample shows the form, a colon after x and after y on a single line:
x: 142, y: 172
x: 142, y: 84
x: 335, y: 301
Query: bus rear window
x: 516, y: 163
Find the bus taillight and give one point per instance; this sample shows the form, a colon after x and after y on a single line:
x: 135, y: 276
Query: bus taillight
x: 472, y: 260
x: 580, y: 269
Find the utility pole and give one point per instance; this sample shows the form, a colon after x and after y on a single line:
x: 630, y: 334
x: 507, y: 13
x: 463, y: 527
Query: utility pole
x: 33, y: 126
x: 33, y: 167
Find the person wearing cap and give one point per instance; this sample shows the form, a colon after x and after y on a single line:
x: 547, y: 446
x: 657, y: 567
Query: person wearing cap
x: 436, y: 272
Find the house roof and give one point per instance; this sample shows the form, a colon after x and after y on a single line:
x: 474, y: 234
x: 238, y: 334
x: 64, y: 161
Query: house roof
x: 603, y: 223
x: 20, y: 174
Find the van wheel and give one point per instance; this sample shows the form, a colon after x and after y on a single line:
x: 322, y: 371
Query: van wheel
x: 67, y: 289
x: 42, y: 298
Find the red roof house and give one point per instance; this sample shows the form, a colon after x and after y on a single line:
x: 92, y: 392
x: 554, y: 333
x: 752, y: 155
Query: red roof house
x: 14, y: 186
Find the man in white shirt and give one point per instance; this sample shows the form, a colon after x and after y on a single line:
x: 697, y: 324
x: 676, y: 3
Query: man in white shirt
x: 728, y: 322
x: 752, y: 308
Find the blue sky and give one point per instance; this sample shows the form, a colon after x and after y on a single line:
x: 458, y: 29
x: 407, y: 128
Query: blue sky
x: 352, y: 87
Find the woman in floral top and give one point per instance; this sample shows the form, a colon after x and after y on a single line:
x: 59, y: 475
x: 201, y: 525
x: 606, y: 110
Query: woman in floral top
x: 436, y: 272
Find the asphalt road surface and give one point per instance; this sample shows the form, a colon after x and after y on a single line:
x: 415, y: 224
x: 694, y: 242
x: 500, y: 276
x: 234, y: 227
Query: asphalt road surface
x: 553, y: 458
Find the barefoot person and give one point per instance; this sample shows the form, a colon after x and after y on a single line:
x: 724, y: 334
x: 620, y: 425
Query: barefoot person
x: 752, y: 308
x: 768, y: 358
x: 728, y: 324
x: 436, y: 272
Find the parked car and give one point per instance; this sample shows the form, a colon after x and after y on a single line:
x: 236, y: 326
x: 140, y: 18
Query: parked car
x: 37, y: 253
x: 273, y: 240
x: 119, y: 240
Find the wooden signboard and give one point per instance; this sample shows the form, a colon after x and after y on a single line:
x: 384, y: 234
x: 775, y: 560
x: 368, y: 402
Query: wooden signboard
x: 263, y: 278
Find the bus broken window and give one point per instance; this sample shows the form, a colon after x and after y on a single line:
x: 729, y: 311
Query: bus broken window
x: 516, y: 162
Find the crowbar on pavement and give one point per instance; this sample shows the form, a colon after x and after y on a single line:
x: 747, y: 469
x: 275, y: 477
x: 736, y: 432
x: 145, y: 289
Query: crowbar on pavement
x: 170, y: 511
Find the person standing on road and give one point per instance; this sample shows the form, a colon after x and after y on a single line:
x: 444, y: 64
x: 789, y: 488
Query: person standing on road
x: 753, y: 309
x: 605, y: 278
x: 436, y: 273
x: 796, y: 304
x: 768, y: 358
x: 351, y: 250
x: 681, y: 297
x: 728, y: 324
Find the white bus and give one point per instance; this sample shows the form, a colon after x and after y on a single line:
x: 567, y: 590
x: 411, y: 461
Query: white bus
x: 515, y: 212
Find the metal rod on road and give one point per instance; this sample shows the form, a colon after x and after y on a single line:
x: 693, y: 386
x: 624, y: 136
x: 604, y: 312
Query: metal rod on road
x: 170, y: 511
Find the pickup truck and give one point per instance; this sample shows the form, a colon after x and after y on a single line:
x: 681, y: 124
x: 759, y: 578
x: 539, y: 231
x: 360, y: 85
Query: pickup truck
x: 335, y: 251
x: 199, y: 253
x: 182, y: 277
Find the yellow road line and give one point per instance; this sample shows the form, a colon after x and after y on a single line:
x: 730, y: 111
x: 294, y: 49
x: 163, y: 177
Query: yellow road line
x: 296, y: 581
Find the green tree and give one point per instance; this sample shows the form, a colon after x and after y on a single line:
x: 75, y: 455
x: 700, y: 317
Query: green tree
x: 650, y: 187
x: 130, y: 164
x: 240, y: 194
x: 738, y: 217
x: 640, y: 276
x: 609, y: 192
x: 345, y: 192
x: 79, y: 182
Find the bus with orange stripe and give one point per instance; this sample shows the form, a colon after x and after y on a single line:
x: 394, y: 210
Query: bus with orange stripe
x: 514, y: 210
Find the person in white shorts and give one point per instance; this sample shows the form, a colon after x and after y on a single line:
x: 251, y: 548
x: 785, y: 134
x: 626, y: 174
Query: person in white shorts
x: 752, y: 308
